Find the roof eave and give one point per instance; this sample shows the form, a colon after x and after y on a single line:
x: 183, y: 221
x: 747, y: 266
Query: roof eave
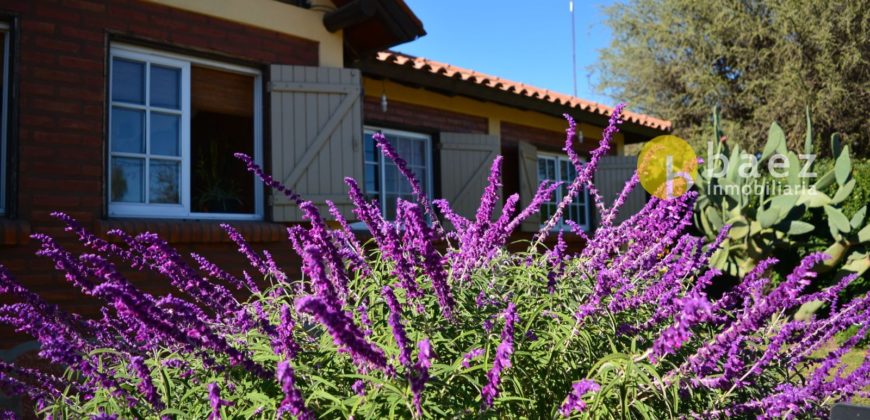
x: 633, y: 131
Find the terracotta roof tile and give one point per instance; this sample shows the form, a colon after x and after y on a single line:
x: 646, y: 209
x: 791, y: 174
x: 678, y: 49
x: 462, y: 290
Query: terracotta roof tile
x: 495, y: 82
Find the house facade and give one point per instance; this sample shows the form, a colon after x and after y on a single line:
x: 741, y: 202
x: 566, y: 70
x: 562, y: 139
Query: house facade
x: 124, y: 114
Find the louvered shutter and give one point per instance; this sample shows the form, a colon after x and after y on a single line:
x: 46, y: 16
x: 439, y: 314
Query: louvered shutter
x: 528, y: 157
x: 316, y: 135
x: 465, y: 163
x: 610, y: 178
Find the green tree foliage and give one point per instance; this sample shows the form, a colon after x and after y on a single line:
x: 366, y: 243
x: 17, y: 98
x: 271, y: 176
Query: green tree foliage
x: 759, y: 60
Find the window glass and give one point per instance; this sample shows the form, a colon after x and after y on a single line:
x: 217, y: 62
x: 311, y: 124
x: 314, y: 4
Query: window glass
x: 560, y: 168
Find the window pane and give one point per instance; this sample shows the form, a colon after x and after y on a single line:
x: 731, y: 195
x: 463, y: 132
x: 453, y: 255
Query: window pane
x: 371, y: 151
x: 127, y: 178
x: 542, y: 169
x: 417, y: 154
x: 420, y: 174
x: 127, y: 130
x: 163, y: 182
x: 391, y: 178
x: 164, y: 87
x: 371, y: 178
x: 390, y: 204
x: 165, y: 134
x: 128, y: 81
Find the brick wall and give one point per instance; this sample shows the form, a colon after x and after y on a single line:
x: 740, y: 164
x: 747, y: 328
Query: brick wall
x: 402, y: 115
x: 61, y: 60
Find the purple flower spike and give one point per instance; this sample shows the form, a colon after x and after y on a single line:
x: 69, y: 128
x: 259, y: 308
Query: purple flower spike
x: 468, y: 357
x: 395, y: 321
x: 293, y: 401
x: 344, y: 332
x: 214, y: 398
x: 578, y: 390
x: 502, y: 357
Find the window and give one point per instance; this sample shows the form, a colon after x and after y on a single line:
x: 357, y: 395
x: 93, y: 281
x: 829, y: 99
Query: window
x: 383, y: 182
x: 559, y: 168
x: 174, y: 124
x: 4, y: 114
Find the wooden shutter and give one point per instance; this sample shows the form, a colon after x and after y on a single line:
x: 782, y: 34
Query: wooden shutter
x: 465, y: 163
x: 316, y: 135
x: 610, y: 178
x: 528, y: 157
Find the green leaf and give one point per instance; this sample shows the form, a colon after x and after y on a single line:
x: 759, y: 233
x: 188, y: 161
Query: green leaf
x: 794, y: 169
x: 768, y: 217
x: 837, y: 219
x: 739, y: 228
x: 864, y: 234
x: 797, y: 227
x: 814, y: 198
x: 858, y: 218
x: 843, y: 166
x: 825, y: 181
x: 843, y: 192
x: 775, y: 141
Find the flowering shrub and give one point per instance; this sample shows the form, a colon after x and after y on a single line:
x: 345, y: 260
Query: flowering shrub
x: 426, y: 321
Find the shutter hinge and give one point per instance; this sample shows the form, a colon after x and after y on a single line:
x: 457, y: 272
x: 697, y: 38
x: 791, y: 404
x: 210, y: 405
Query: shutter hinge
x: 268, y: 86
x: 270, y: 199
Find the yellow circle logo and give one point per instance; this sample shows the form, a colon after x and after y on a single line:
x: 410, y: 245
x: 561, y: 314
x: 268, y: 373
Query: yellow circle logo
x: 667, y: 167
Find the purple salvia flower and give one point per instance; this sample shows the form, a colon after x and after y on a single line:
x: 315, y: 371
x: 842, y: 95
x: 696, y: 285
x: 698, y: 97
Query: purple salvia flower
x: 387, y: 239
x: 395, y: 321
x: 321, y: 238
x: 693, y: 311
x: 388, y: 151
x: 267, y: 179
x: 146, y: 385
x: 344, y: 332
x: 293, y: 401
x: 214, y: 398
x: 502, y: 357
x: 354, y: 250
x: 542, y: 195
x: 471, y: 355
x: 585, y: 176
x: 359, y: 387
x: 363, y: 311
x: 433, y: 264
x: 285, y: 344
x: 212, y: 270
x: 610, y: 216
x: 574, y: 402
x: 420, y: 374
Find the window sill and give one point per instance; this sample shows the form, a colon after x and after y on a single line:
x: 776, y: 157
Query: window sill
x: 14, y: 232
x: 195, y: 231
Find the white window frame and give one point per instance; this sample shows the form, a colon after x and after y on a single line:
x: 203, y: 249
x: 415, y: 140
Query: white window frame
x: 182, y: 210
x: 427, y: 139
x: 4, y: 118
x: 583, y: 197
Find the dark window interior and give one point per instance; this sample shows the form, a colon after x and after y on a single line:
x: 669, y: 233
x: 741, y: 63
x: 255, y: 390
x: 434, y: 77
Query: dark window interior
x: 222, y: 123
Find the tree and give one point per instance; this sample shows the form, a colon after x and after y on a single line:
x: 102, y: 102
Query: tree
x: 759, y: 60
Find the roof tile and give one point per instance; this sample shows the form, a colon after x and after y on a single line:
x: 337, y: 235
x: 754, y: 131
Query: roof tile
x: 495, y: 82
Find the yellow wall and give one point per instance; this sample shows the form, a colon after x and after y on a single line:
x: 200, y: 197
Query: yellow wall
x: 493, y: 112
x: 275, y: 16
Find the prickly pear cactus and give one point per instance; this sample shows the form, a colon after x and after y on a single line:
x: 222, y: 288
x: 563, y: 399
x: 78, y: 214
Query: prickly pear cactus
x: 765, y: 212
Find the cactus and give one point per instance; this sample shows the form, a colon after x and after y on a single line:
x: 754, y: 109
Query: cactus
x: 765, y: 212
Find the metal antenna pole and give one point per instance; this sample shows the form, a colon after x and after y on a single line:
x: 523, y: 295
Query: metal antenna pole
x: 573, y: 46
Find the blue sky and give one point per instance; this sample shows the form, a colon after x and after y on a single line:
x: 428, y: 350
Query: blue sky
x: 526, y: 41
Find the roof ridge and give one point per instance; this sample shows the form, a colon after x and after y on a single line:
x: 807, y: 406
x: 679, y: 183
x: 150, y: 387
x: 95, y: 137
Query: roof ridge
x: 518, y: 88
